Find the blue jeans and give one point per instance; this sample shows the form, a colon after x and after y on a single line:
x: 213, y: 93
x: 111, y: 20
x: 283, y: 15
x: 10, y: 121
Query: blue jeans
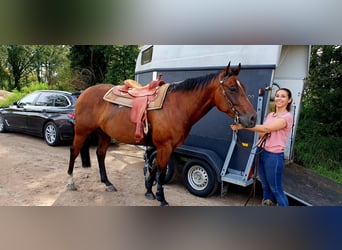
x: 271, y: 166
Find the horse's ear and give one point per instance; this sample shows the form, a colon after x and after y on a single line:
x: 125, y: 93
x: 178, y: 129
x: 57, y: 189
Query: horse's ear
x: 227, y: 70
x: 237, y: 69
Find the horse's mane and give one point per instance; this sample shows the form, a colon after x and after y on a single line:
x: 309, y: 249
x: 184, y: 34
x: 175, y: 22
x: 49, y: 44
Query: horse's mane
x: 192, y: 83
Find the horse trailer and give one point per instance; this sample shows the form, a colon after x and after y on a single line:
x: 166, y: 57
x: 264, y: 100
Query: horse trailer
x: 212, y: 155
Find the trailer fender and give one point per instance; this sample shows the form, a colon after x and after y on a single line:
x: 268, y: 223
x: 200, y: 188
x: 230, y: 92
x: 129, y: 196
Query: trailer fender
x: 209, y: 156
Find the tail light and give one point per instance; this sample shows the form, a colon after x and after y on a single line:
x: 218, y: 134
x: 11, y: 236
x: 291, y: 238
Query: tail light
x: 71, y: 115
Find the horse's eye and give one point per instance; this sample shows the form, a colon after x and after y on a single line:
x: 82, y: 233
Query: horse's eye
x: 233, y: 89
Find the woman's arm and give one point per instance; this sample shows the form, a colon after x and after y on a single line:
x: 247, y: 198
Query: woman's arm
x: 261, y: 128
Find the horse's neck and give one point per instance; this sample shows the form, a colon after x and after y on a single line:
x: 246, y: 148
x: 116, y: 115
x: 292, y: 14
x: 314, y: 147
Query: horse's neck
x: 196, y: 103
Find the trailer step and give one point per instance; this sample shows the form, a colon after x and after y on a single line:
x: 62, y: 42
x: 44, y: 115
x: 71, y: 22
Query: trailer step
x: 236, y: 179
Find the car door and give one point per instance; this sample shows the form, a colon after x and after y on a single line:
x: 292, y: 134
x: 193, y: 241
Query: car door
x: 38, y: 113
x: 16, y: 114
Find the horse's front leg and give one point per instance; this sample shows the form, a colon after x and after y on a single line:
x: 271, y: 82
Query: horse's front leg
x: 160, y: 190
x: 162, y: 158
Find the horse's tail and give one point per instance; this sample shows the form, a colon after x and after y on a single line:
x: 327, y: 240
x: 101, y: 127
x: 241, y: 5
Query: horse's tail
x: 85, y: 155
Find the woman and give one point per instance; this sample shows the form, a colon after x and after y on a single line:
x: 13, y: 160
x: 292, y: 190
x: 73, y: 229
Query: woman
x: 277, y: 125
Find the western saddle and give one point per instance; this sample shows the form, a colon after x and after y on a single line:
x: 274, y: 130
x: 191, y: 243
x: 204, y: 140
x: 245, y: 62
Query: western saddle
x: 139, y: 97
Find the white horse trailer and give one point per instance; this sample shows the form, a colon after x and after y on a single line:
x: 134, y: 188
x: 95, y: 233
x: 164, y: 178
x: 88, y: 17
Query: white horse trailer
x: 212, y: 154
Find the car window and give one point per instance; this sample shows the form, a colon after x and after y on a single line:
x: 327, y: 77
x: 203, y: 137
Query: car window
x: 28, y: 100
x: 45, y: 99
x: 61, y: 101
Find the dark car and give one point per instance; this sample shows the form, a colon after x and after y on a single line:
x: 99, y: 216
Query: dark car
x: 45, y: 113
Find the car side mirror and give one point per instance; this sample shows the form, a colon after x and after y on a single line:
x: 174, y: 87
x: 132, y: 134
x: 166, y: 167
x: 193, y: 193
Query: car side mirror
x: 17, y: 104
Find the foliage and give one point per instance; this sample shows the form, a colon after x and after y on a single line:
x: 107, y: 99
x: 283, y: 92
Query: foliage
x: 89, y: 64
x: 17, y: 95
x: 49, y: 60
x: 65, y: 67
x: 322, y: 104
x: 19, y: 58
x: 26, y: 63
x: 92, y: 64
x: 319, y: 134
x: 122, y: 64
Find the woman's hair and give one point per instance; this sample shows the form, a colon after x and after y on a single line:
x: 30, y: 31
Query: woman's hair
x: 289, y: 94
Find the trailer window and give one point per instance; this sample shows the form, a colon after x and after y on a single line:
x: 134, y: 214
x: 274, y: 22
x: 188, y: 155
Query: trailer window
x: 146, y: 55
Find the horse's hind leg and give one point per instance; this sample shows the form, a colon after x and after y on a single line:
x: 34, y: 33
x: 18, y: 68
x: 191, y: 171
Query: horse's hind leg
x: 149, y: 182
x: 104, y: 142
x: 74, y: 151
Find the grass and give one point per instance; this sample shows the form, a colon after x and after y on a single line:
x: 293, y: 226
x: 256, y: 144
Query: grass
x: 334, y: 175
x: 322, y: 154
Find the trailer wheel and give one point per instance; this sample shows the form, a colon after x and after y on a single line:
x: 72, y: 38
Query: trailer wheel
x: 171, y: 170
x: 199, y: 178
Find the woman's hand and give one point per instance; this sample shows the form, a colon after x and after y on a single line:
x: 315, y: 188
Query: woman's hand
x: 235, y: 127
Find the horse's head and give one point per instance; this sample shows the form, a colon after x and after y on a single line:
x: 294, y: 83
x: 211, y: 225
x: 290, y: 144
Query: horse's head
x: 231, y: 98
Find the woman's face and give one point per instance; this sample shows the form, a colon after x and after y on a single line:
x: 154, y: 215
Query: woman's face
x: 281, y: 99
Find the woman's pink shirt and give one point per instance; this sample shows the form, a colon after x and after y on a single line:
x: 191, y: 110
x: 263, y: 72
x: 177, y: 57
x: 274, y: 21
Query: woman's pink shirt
x: 277, y: 141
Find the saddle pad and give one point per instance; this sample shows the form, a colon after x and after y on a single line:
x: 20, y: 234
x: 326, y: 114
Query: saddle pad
x: 156, y: 103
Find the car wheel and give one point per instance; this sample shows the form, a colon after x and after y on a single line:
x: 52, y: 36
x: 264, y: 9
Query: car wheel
x: 2, y: 124
x: 171, y: 170
x: 51, y: 134
x: 199, y: 178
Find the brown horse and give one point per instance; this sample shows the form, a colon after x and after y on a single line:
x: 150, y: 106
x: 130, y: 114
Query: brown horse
x: 185, y: 103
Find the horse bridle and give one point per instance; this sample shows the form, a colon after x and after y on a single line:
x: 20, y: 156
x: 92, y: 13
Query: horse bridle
x: 230, y: 103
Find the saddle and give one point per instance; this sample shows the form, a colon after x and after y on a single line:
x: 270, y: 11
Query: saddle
x: 140, y: 99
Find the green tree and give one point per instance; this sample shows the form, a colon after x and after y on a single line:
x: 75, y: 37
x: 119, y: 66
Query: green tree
x: 19, y: 61
x: 122, y: 64
x: 93, y: 64
x: 4, y: 76
x: 48, y: 61
x: 34, y: 62
x: 89, y: 63
x: 319, y: 135
x: 322, y: 105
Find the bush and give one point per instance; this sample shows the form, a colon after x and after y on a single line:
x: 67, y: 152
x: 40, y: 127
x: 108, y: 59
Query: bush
x: 24, y: 91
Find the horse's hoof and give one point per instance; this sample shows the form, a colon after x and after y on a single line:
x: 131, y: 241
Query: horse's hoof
x: 164, y: 204
x: 111, y: 188
x: 71, y: 187
x: 150, y: 196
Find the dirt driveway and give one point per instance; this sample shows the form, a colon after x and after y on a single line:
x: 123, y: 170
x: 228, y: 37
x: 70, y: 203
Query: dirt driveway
x: 34, y: 174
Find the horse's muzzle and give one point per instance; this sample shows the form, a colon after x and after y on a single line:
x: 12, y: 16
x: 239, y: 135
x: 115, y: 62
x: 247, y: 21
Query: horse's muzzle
x: 248, y: 121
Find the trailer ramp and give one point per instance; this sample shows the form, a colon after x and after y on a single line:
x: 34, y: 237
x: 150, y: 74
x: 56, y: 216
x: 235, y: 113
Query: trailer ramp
x: 310, y: 188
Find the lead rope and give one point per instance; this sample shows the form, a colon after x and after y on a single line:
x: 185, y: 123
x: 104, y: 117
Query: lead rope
x: 261, y: 146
